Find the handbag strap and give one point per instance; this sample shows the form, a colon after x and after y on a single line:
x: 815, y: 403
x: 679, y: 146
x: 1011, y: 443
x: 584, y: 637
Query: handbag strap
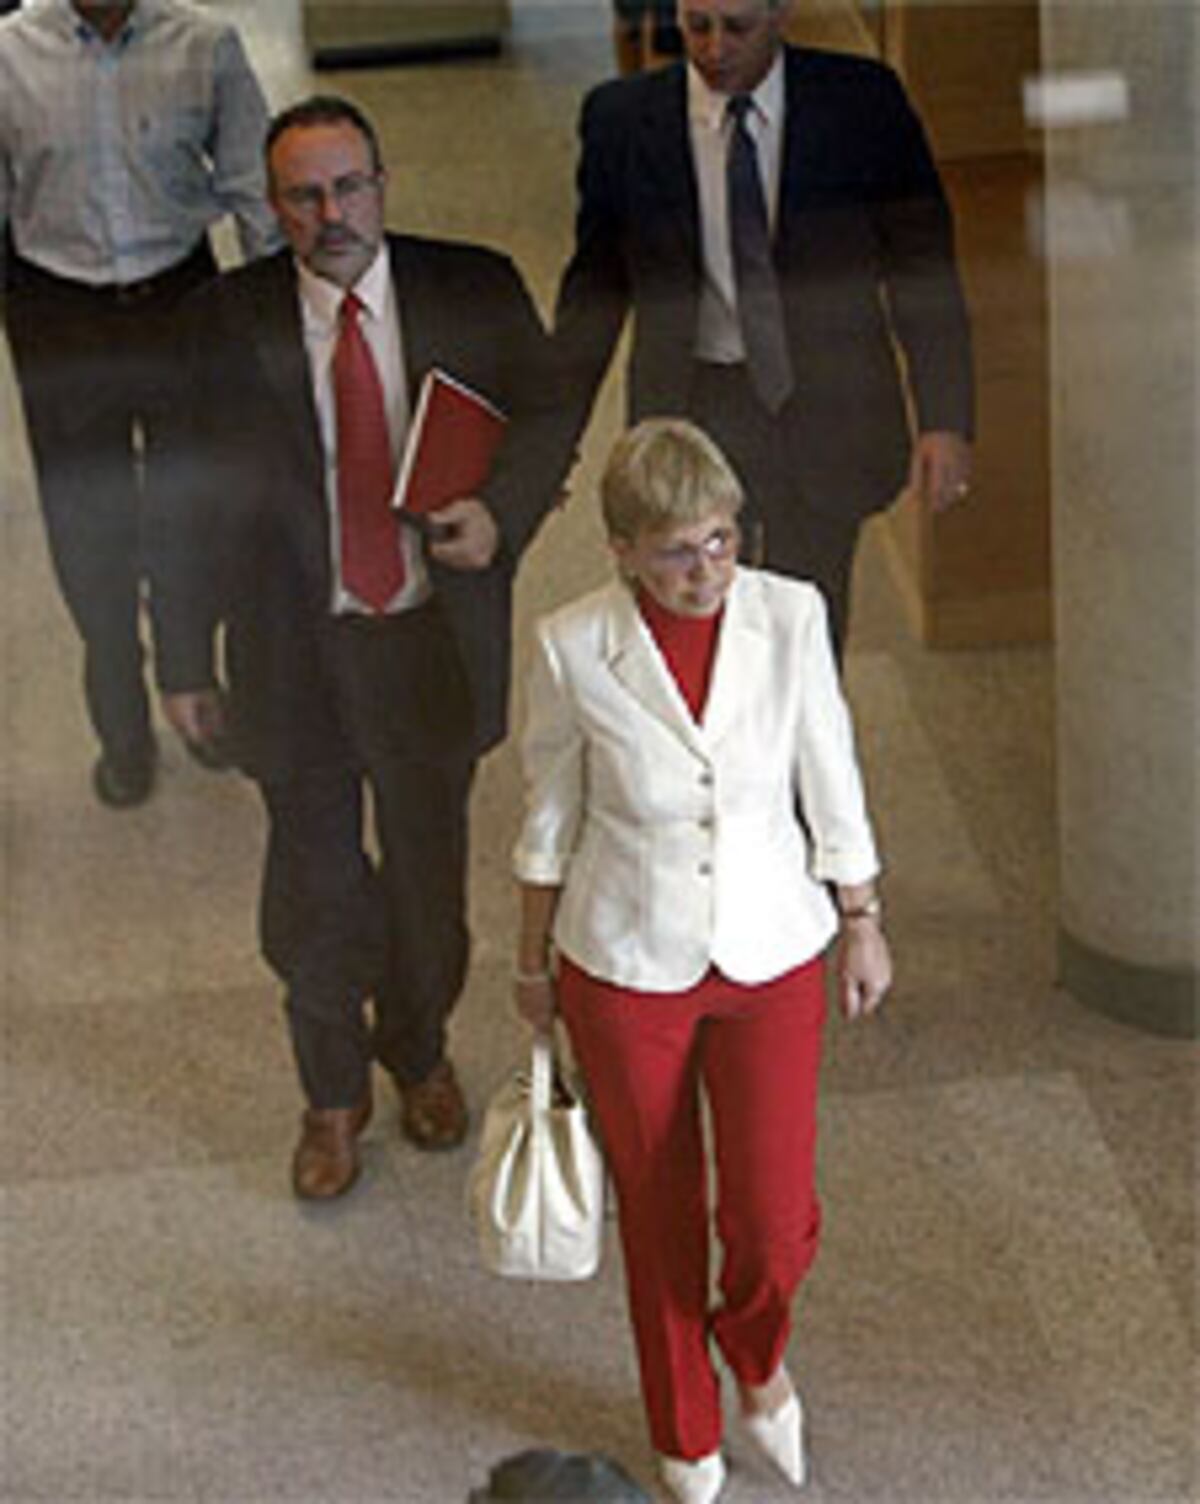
x: 541, y: 1087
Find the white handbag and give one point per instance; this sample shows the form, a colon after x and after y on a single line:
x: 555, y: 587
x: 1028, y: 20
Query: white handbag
x: 536, y: 1191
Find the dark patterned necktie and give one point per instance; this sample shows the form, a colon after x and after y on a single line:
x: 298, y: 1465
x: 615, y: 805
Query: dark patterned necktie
x: 759, y: 306
x: 372, y: 564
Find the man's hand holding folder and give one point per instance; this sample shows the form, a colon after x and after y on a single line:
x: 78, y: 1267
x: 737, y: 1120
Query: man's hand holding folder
x: 451, y: 444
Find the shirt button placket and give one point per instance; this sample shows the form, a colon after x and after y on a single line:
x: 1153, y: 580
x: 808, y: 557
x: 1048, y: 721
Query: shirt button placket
x: 705, y: 824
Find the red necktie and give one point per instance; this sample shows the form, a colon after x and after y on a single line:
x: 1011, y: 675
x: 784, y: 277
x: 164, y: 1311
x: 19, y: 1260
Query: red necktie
x: 372, y: 564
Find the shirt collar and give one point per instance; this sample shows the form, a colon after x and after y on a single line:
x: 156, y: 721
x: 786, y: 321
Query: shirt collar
x: 73, y: 24
x: 707, y: 108
x: 322, y: 299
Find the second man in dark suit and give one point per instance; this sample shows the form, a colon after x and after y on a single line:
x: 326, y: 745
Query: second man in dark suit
x: 358, y: 655
x: 773, y: 218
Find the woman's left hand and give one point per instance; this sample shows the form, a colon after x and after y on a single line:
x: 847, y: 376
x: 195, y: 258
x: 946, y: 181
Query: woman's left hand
x: 864, y: 968
x: 535, y: 998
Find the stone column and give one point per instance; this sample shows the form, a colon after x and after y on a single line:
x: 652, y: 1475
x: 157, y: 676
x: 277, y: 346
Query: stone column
x: 1119, y: 96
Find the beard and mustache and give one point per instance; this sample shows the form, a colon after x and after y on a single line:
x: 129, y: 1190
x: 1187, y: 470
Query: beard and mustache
x: 335, y: 239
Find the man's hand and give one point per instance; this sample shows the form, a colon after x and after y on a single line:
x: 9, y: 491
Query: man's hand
x: 940, y: 472
x: 467, y: 536
x: 198, y: 715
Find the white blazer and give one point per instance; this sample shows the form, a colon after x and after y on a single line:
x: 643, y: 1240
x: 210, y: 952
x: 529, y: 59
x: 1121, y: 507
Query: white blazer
x: 677, y: 845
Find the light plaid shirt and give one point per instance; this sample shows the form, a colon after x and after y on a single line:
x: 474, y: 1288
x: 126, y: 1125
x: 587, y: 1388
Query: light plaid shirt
x: 116, y: 157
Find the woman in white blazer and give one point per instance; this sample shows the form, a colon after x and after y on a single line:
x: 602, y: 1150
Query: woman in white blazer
x: 695, y: 837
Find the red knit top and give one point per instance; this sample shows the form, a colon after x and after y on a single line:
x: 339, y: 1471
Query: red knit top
x: 688, y: 644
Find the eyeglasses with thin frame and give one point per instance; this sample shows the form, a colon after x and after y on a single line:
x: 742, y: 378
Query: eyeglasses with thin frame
x: 682, y: 558
x: 346, y: 191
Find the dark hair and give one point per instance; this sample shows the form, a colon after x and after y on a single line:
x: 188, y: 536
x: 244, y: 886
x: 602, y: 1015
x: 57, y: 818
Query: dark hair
x: 324, y: 109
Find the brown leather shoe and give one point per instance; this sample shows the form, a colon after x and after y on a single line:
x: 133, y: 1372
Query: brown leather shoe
x: 326, y: 1162
x: 433, y: 1114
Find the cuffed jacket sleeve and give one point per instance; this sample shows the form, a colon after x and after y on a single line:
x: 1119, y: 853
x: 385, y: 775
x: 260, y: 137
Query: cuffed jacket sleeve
x: 826, y: 768
x: 553, y: 752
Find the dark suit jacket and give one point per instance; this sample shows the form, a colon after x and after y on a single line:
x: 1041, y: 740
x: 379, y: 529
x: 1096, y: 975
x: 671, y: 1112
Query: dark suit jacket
x: 240, y: 535
x: 863, y: 249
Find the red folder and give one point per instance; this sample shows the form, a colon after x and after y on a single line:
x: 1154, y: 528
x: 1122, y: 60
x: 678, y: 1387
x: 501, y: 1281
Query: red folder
x: 451, y: 443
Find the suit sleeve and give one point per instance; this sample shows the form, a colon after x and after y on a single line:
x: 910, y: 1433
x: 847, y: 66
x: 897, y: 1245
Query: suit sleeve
x: 921, y: 279
x: 552, y: 754
x: 182, y: 529
x: 538, y: 449
x: 826, y: 768
x: 594, y: 295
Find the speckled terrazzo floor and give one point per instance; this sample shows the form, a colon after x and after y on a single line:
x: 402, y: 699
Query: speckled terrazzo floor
x: 1003, y: 1307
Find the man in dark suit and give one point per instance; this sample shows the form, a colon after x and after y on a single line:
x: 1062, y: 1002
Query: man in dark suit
x: 773, y: 218
x: 355, y: 659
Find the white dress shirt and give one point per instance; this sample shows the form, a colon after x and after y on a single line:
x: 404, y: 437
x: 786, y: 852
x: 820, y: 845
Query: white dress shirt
x: 320, y: 305
x: 718, y: 335
x: 676, y: 843
x: 115, y: 157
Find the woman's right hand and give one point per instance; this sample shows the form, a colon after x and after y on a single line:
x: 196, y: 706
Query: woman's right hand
x: 536, y: 1000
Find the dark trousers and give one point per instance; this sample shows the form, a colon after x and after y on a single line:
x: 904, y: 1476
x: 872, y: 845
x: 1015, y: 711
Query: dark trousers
x: 95, y: 366
x: 342, y: 927
x: 784, y: 529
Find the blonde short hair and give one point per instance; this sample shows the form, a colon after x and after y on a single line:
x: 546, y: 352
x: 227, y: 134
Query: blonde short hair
x: 665, y: 473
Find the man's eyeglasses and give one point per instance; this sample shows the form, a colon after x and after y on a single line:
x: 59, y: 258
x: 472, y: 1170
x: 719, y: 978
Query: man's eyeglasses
x: 682, y: 558
x: 346, y: 192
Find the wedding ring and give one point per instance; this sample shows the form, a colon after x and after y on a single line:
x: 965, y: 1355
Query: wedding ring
x: 962, y: 491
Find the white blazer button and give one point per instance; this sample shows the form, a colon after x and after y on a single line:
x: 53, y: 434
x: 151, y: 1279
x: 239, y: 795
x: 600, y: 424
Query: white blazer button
x: 705, y: 869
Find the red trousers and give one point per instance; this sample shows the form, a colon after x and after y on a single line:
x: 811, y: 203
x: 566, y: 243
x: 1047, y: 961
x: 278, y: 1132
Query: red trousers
x: 755, y: 1053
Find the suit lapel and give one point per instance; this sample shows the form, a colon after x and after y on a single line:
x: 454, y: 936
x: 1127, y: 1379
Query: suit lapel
x: 742, y: 659
x: 804, y: 140
x: 414, y: 307
x: 664, y: 156
x: 279, y: 343
x: 637, y: 664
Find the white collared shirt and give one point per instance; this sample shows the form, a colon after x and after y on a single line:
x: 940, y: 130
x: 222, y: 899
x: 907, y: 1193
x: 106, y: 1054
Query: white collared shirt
x: 320, y: 305
x: 115, y: 157
x: 718, y: 335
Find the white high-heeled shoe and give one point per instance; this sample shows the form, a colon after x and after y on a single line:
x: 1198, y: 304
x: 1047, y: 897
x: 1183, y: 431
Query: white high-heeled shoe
x: 697, y: 1482
x: 779, y: 1436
